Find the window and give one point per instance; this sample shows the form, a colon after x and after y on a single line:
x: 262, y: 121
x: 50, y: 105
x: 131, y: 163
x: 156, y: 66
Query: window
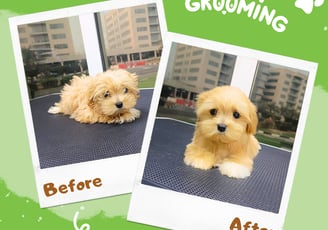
x: 193, y: 70
x: 58, y: 36
x: 143, y: 37
x: 211, y: 72
x: 142, y: 29
x: 195, y: 61
x: 197, y: 52
x: 193, y: 78
x: 38, y: 28
x: 210, y: 81
x: 140, y: 11
x: 61, y: 46
x: 212, y: 63
x: 56, y: 26
x: 215, y: 54
x: 140, y: 20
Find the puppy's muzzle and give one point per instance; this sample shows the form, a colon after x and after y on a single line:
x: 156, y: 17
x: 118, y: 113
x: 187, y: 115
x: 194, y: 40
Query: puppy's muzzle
x: 222, y: 128
x: 119, y: 105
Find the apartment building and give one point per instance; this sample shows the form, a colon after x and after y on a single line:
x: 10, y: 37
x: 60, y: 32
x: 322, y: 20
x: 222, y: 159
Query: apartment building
x: 132, y: 33
x: 283, y: 86
x: 195, y: 69
x: 53, y: 41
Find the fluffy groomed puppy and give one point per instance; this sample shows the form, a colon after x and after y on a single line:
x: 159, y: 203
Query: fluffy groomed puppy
x: 108, y: 97
x: 224, y: 133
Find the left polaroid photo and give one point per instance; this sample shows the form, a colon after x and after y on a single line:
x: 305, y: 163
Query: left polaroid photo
x: 87, y: 75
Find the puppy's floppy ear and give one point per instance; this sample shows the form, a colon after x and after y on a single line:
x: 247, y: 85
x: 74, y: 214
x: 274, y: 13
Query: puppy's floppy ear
x: 134, y: 79
x: 91, y: 102
x: 131, y: 81
x: 91, y: 94
x: 253, y: 120
x: 200, y: 99
x: 202, y: 104
x: 134, y: 82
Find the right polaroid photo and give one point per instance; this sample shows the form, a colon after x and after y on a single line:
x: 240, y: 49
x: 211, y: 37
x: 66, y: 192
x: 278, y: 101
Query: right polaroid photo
x: 223, y: 148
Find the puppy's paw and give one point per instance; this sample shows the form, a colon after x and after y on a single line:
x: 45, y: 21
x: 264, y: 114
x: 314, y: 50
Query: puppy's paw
x: 130, y: 116
x: 126, y: 117
x: 234, y: 170
x: 134, y: 114
x: 197, y: 161
x: 54, y: 110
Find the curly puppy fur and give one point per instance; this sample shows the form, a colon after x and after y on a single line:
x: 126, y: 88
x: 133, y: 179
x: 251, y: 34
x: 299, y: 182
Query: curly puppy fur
x: 224, y: 133
x: 108, y: 97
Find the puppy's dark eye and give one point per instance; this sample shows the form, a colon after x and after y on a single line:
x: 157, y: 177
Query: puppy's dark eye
x: 106, y: 94
x: 125, y: 90
x: 213, y: 112
x: 236, y: 115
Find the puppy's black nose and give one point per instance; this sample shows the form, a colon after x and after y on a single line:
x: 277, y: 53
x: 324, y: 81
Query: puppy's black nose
x: 222, y: 128
x: 119, y: 105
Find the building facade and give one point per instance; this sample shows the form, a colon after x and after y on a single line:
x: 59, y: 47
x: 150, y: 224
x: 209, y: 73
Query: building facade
x: 132, y: 33
x: 195, y: 69
x: 284, y: 87
x: 51, y: 41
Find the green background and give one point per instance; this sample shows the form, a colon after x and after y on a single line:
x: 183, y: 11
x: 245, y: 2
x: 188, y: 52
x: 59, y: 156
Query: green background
x: 306, y: 37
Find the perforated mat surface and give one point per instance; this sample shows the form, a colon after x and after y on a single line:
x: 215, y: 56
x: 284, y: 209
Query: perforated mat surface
x: 61, y: 140
x: 165, y: 169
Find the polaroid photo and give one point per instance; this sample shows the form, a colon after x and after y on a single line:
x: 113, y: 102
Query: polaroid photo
x: 86, y: 76
x: 202, y: 168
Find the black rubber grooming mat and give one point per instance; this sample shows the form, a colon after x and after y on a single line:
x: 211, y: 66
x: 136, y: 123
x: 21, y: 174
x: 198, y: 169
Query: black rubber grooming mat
x: 165, y: 169
x: 61, y: 140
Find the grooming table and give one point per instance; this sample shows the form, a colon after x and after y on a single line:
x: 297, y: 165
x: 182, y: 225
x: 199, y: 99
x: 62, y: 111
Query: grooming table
x: 61, y: 140
x: 165, y: 169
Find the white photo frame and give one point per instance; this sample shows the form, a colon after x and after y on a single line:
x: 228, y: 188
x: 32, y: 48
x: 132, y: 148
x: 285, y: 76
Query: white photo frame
x: 91, y: 179
x: 158, y: 205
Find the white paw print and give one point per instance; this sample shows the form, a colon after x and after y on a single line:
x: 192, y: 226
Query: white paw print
x: 307, y: 5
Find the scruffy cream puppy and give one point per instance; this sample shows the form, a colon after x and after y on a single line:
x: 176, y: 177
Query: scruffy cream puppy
x: 108, y: 97
x: 224, y: 133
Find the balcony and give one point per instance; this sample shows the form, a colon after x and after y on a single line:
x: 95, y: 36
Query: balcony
x: 153, y: 20
x: 295, y: 86
x: 291, y: 99
x: 154, y: 29
x: 37, y: 40
x: 152, y: 11
x: 297, y: 79
x: 41, y: 48
x: 38, y: 28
